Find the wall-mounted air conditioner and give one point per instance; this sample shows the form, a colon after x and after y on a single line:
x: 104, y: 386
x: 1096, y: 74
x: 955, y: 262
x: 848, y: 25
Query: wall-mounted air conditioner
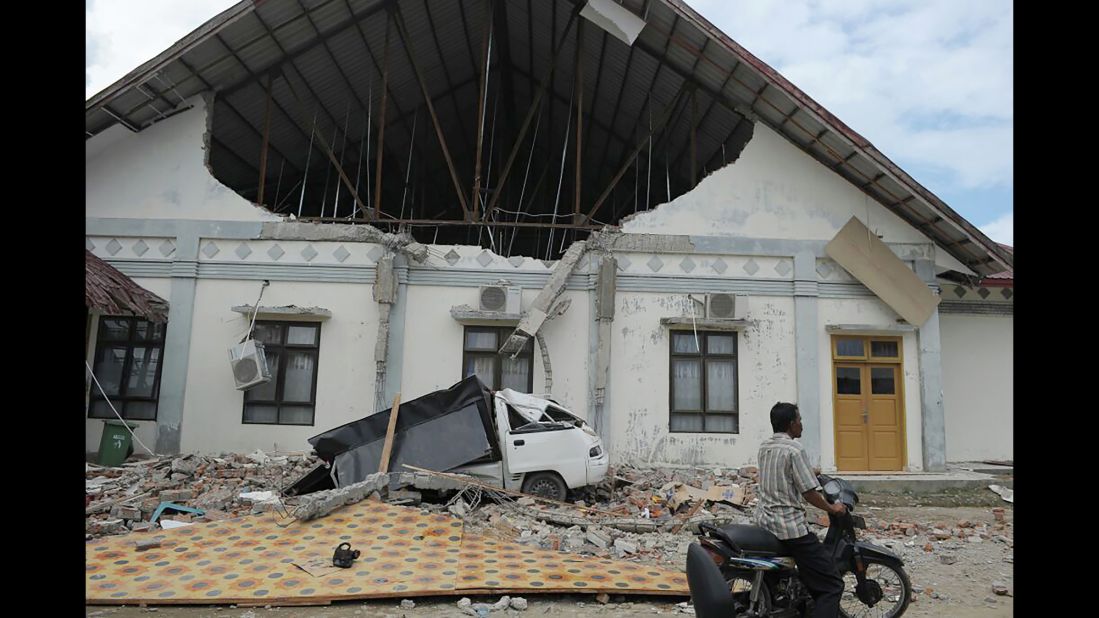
x: 249, y: 365
x: 727, y: 306
x: 500, y: 298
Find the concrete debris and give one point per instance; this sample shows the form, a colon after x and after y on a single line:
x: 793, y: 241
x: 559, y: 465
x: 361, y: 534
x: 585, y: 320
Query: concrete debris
x: 625, y: 546
x: 603, y: 598
x: 169, y: 524
x: 144, y: 544
x: 258, y: 457
x: 122, y: 499
x: 1007, y: 494
x: 408, y: 604
x: 518, y: 603
x: 948, y: 558
x: 1000, y: 589
x: 598, y: 539
x: 321, y: 503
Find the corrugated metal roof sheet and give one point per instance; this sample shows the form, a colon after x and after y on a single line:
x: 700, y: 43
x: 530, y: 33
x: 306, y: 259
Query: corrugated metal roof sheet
x: 332, y: 50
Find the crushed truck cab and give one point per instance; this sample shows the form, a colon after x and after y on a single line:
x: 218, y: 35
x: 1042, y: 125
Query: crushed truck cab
x: 506, y: 438
x: 545, y: 448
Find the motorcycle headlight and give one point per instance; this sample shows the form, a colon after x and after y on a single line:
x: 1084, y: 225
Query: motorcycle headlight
x: 595, y: 451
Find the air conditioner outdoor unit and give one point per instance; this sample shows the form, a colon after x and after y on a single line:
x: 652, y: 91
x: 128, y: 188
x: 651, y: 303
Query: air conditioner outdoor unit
x: 726, y: 306
x: 249, y: 365
x: 504, y: 299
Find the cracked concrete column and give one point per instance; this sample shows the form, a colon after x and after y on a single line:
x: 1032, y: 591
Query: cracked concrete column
x: 177, y: 345
x: 536, y: 315
x: 385, y: 294
x: 932, y: 411
x: 604, y: 315
x: 807, y: 352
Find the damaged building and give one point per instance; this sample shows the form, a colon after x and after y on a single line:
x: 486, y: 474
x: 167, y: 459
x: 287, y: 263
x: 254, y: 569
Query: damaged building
x: 611, y: 202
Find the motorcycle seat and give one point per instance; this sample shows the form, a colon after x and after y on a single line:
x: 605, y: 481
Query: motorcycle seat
x: 755, y: 540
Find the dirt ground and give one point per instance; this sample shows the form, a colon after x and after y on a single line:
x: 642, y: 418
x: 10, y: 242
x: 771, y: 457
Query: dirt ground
x: 962, y: 589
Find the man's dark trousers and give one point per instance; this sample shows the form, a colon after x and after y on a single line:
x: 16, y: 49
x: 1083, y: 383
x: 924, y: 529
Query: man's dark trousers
x: 818, y: 573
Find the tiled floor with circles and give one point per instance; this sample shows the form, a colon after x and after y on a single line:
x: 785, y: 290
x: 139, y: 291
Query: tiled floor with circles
x: 403, y: 553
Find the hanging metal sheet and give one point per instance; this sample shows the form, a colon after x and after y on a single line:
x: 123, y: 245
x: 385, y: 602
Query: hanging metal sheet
x: 867, y: 258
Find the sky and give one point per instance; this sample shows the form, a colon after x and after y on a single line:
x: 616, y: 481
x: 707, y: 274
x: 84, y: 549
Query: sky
x: 928, y: 82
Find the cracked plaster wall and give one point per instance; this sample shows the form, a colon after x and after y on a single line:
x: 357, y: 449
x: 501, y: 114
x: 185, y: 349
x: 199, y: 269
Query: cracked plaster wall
x: 433, y: 343
x: 213, y: 408
x: 774, y: 190
x: 640, y: 381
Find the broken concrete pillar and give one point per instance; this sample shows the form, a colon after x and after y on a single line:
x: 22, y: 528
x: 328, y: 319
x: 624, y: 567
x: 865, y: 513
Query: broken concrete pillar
x: 537, y: 313
x: 402, y: 243
x: 604, y: 315
x: 385, y: 294
x: 321, y: 503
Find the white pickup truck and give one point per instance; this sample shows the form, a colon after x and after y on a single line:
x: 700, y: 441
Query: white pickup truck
x: 546, y: 449
x: 505, y: 438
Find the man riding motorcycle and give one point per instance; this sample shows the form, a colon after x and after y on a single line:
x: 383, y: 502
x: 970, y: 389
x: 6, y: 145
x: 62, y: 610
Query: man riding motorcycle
x: 785, y: 476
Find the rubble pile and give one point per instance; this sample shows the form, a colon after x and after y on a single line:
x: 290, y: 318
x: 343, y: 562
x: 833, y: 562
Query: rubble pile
x: 123, y: 499
x: 930, y: 534
x: 635, y: 514
x: 640, y: 515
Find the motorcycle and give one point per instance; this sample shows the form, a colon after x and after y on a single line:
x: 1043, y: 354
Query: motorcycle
x: 740, y: 570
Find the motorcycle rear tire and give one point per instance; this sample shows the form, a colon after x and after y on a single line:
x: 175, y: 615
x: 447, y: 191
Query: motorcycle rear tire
x: 906, y: 586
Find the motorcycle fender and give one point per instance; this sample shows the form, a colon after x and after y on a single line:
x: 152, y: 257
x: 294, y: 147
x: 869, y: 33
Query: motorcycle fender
x: 869, y: 550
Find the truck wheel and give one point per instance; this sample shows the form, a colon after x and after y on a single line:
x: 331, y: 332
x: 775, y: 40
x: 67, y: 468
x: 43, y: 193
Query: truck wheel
x: 545, y: 485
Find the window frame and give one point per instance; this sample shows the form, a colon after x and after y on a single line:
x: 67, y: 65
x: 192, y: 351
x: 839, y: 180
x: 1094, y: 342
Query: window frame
x: 868, y: 355
x: 702, y: 356
x: 122, y: 400
x: 280, y: 377
x: 502, y: 332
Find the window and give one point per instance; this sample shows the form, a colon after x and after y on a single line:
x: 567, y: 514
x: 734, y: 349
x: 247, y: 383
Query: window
x: 290, y: 397
x: 128, y: 353
x: 704, y: 382
x: 497, y: 371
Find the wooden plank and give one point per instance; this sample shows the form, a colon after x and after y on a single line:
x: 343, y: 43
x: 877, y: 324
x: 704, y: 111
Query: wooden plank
x: 266, y: 138
x: 381, y: 124
x: 387, y: 448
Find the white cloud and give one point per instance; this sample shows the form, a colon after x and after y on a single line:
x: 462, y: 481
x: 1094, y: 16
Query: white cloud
x: 928, y: 82
x: 1001, y: 230
x: 120, y: 35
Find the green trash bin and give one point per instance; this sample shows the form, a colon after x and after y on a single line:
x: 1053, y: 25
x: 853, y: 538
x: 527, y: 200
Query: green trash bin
x: 116, y: 444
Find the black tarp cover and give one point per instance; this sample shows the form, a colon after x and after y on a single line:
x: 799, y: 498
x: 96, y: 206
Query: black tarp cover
x: 438, y: 431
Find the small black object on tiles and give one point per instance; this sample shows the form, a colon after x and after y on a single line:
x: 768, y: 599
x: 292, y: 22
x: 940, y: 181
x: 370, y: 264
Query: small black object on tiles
x: 344, y: 555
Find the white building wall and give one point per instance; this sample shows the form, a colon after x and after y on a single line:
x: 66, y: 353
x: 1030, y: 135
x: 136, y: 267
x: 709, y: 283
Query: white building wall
x: 873, y: 312
x: 160, y: 173
x: 640, y: 381
x: 774, y: 190
x: 978, y: 374
x: 213, y: 408
x: 433, y: 344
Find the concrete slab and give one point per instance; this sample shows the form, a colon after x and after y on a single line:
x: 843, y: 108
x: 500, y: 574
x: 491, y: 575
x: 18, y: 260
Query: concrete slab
x: 984, y: 467
x: 919, y: 482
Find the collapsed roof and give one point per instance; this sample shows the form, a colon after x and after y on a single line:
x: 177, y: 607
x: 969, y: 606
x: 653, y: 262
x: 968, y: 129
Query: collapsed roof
x: 110, y: 292
x: 340, y: 90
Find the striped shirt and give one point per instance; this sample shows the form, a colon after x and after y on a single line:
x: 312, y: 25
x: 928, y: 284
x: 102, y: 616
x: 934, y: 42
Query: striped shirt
x: 784, y: 474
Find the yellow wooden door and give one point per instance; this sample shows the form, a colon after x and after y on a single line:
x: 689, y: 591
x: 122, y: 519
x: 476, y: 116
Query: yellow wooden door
x: 851, y: 429
x: 868, y: 404
x: 886, y: 438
